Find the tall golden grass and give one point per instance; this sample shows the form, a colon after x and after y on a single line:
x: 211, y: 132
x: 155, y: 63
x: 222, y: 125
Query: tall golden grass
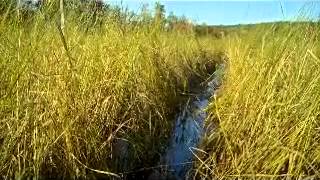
x: 264, y: 124
x: 67, y: 97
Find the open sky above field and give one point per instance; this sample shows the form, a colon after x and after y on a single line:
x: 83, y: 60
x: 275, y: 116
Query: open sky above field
x: 233, y: 12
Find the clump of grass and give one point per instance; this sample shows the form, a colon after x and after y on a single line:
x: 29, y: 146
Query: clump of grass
x: 265, y: 121
x: 66, y: 97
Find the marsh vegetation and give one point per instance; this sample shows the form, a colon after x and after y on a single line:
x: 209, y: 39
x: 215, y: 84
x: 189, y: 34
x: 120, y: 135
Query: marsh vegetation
x: 96, y: 95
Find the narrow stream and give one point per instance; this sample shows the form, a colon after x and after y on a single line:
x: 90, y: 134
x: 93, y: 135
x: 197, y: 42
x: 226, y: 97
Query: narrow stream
x: 188, y: 130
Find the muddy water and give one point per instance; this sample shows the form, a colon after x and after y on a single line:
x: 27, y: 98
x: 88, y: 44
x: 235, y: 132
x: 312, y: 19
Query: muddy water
x: 187, y: 132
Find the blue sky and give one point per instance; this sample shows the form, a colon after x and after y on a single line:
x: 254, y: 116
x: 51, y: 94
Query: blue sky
x: 233, y: 12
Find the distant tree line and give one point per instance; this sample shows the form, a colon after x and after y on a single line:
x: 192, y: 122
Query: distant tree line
x: 214, y: 31
x: 92, y: 12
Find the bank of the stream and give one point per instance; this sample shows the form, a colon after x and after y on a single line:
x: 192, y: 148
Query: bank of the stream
x: 267, y: 118
x: 175, y: 157
x: 188, y: 130
x: 69, y: 99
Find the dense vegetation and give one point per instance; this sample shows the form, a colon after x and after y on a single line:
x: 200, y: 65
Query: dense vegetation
x: 69, y: 97
x: 95, y: 96
x: 265, y: 121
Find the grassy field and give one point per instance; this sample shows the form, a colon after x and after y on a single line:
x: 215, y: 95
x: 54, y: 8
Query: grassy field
x: 98, y: 98
x: 264, y: 122
x: 67, y: 98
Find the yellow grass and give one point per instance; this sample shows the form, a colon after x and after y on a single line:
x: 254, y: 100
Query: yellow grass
x: 265, y: 121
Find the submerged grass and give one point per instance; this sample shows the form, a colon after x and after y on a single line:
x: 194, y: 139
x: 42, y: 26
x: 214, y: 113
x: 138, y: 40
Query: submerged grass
x: 66, y: 98
x: 265, y: 122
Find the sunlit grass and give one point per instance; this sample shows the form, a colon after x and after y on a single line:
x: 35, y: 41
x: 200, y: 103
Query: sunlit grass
x: 265, y: 121
x: 66, y: 98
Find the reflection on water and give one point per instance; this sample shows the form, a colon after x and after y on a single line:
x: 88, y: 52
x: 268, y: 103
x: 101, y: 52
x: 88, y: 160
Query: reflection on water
x: 188, y: 130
